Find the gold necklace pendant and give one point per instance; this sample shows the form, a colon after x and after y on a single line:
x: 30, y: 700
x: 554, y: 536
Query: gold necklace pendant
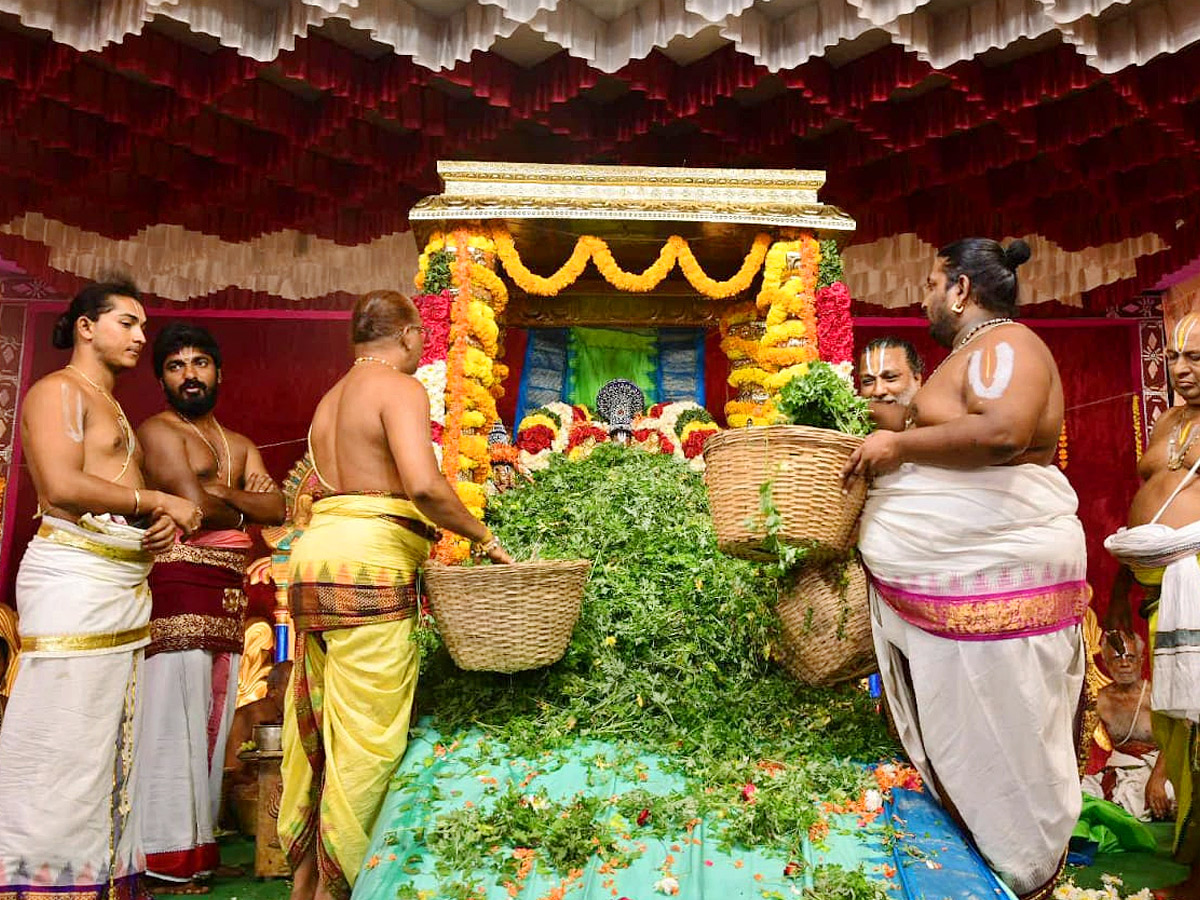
x: 1178, y: 444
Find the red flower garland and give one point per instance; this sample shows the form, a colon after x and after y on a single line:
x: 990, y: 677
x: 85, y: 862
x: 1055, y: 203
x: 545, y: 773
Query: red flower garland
x: 835, y: 328
x: 435, y: 315
x: 535, y: 438
x: 582, y: 431
x: 693, y: 445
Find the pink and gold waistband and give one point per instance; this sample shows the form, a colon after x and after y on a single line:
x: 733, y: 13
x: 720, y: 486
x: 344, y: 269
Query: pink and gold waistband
x: 992, y: 616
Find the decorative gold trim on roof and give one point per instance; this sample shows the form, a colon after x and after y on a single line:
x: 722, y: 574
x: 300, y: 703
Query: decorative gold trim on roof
x: 779, y: 197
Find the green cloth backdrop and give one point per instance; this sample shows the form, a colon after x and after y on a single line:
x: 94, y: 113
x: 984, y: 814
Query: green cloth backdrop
x: 598, y: 355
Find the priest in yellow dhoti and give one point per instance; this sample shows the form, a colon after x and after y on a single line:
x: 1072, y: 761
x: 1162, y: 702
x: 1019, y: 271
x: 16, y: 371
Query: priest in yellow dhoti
x: 353, y: 597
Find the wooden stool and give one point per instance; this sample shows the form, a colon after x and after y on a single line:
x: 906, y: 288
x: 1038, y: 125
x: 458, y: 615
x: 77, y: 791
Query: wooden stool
x: 269, y: 859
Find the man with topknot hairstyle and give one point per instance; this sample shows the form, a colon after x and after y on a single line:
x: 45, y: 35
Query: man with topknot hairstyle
x: 70, y: 740
x: 978, y: 573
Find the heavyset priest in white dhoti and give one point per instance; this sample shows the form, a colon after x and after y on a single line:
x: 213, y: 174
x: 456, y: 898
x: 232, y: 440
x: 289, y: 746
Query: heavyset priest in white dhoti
x: 70, y: 737
x: 977, y: 567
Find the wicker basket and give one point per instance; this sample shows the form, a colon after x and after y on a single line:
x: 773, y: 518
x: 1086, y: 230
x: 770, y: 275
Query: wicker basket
x: 804, y: 466
x: 833, y: 643
x: 507, y: 618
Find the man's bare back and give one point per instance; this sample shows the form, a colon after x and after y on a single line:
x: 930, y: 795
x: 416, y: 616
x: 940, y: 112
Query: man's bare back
x: 350, y: 442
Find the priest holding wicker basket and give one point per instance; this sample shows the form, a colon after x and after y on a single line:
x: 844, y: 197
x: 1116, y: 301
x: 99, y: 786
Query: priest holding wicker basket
x: 352, y: 587
x: 977, y: 571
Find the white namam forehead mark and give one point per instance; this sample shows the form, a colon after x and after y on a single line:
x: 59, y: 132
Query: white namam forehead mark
x: 1183, y: 331
x: 992, y: 383
x: 874, y: 361
x: 72, y: 418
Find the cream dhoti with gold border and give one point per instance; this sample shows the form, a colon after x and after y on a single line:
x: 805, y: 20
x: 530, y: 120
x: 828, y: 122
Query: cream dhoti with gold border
x: 977, y: 591
x: 192, y: 666
x: 69, y: 744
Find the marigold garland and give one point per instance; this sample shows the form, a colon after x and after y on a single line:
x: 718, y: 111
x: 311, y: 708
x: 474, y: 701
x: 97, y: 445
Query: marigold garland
x: 1062, y: 447
x: 587, y: 247
x: 630, y: 282
x: 530, y: 283
x: 470, y: 372
x: 737, y: 283
x: 1137, y: 427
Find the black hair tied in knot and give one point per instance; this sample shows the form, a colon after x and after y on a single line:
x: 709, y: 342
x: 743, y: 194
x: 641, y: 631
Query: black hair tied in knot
x: 63, y: 337
x: 1016, y: 253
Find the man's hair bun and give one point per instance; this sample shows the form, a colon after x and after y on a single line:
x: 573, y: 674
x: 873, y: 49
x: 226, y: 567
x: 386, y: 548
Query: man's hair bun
x: 63, y: 337
x: 1016, y: 253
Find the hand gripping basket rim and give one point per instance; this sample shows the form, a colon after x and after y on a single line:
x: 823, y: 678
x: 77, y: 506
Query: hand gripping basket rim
x: 507, y: 618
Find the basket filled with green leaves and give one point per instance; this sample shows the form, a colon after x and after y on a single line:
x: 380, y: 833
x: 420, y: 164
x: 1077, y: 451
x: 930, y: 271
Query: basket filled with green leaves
x: 825, y: 624
x: 507, y: 618
x: 782, y: 484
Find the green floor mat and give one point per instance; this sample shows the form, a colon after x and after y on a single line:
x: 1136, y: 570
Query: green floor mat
x: 1136, y: 870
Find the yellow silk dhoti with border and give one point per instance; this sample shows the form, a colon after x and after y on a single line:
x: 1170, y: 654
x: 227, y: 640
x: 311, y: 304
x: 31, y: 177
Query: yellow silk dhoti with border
x: 353, y: 598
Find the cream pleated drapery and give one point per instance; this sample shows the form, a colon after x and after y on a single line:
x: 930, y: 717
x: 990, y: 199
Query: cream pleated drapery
x: 177, y: 264
x: 891, y: 272
x: 180, y: 265
x: 437, y: 34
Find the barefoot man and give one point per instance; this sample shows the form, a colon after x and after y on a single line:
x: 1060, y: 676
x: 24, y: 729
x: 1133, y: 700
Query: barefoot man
x: 354, y: 600
x: 978, y: 566
x: 198, y: 618
x: 71, y: 740
x: 1160, y: 548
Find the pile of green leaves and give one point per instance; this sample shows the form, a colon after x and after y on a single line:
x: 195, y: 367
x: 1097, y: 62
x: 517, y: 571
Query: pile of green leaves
x: 670, y: 657
x: 824, y: 399
x: 672, y: 648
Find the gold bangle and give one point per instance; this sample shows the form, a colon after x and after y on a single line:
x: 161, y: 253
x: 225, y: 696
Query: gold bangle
x: 137, y: 502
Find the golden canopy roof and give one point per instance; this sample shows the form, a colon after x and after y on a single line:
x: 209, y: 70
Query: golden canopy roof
x: 774, y: 197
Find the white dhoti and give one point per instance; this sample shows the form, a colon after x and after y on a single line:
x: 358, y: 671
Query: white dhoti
x: 1123, y: 781
x: 977, y: 590
x: 190, y: 699
x: 192, y: 665
x: 69, y: 744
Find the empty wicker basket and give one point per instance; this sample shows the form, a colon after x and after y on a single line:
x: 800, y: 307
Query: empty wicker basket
x: 826, y: 633
x: 507, y: 618
x: 804, y: 466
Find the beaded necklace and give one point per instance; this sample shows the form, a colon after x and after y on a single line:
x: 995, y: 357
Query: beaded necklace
x: 359, y: 360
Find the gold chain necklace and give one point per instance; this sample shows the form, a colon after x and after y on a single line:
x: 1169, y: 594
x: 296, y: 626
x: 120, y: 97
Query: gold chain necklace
x: 1175, y: 452
x: 209, y: 444
x: 122, y: 419
x: 359, y: 360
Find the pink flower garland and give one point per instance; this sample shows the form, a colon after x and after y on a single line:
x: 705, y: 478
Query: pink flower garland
x: 835, y: 328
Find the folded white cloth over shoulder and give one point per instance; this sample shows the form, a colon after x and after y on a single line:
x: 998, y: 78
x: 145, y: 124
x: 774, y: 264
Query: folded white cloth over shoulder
x: 1175, y: 689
